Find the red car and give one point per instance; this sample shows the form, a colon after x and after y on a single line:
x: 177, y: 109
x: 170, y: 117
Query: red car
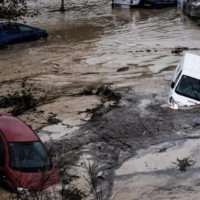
x: 24, y: 163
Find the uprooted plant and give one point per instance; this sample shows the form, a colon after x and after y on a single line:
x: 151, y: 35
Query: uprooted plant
x: 93, y: 180
x: 184, y: 163
x: 63, y: 162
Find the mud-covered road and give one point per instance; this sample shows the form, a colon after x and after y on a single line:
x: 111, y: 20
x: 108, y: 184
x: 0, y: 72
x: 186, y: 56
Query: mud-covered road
x: 134, y: 52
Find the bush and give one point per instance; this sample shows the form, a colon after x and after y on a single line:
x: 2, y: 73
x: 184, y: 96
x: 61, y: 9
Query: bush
x: 12, y: 9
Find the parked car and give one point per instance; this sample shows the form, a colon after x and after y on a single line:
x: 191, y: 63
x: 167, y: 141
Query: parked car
x: 151, y: 3
x: 185, y: 86
x: 11, y: 33
x: 191, y: 8
x: 129, y: 3
x: 160, y: 3
x: 24, y: 162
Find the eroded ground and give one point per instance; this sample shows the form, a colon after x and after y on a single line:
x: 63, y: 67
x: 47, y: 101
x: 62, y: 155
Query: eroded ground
x: 133, y: 53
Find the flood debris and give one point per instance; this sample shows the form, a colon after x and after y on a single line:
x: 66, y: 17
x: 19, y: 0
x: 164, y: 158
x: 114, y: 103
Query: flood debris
x: 93, y: 179
x: 65, y: 160
x: 108, y: 94
x: 179, y: 50
x: 104, y: 91
x: 52, y: 119
x: 100, y: 110
x: 19, y: 102
x: 184, y: 164
x: 73, y: 193
x: 123, y: 69
x: 109, y: 100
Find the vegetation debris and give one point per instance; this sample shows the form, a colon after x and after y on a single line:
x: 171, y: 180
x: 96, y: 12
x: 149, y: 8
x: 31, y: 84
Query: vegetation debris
x: 19, y: 101
x: 104, y: 91
x: 184, y: 163
x: 52, y: 119
x: 123, y: 69
x: 179, y: 50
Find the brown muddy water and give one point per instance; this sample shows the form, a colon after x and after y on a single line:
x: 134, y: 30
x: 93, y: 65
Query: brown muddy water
x: 133, y: 51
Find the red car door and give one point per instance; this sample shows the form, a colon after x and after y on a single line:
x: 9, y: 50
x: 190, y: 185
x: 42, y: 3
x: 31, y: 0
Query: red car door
x: 2, y: 160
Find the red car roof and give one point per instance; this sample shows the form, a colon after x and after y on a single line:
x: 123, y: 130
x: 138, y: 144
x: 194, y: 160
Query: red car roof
x: 15, y: 130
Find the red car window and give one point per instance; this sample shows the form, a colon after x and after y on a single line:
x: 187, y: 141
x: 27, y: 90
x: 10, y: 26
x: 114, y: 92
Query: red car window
x: 28, y: 156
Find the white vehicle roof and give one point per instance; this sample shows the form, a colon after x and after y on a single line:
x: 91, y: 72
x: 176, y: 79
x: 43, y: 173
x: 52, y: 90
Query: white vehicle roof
x: 191, y: 65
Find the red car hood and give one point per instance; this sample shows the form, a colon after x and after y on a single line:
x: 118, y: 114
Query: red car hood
x: 34, y: 180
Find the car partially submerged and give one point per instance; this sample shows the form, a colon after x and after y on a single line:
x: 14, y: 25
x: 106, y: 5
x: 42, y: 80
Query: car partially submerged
x: 127, y: 3
x: 24, y: 163
x: 11, y: 33
x: 191, y: 8
x: 143, y: 3
x: 185, y: 86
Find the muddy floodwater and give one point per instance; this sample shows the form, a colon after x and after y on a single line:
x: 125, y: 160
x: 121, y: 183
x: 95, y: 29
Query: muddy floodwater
x: 134, y: 140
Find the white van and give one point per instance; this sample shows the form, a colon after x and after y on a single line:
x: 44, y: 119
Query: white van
x: 185, y: 86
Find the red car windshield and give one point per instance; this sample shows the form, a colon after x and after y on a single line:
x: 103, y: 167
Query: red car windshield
x: 28, y: 156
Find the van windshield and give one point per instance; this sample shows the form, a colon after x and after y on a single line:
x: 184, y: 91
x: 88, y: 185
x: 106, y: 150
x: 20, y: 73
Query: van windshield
x: 189, y: 87
x: 28, y: 156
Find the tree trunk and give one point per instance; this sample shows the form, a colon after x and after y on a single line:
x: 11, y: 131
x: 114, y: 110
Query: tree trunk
x: 62, y: 7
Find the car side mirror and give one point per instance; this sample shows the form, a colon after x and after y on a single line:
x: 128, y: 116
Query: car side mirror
x: 172, y: 85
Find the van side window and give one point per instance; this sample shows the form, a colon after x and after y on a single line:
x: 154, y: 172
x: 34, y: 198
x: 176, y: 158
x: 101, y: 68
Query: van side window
x: 1, y: 153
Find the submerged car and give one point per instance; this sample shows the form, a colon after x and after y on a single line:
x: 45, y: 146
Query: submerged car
x: 152, y: 3
x: 191, y: 8
x: 11, y: 33
x: 160, y: 3
x: 24, y: 163
x: 185, y: 86
x: 129, y: 3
